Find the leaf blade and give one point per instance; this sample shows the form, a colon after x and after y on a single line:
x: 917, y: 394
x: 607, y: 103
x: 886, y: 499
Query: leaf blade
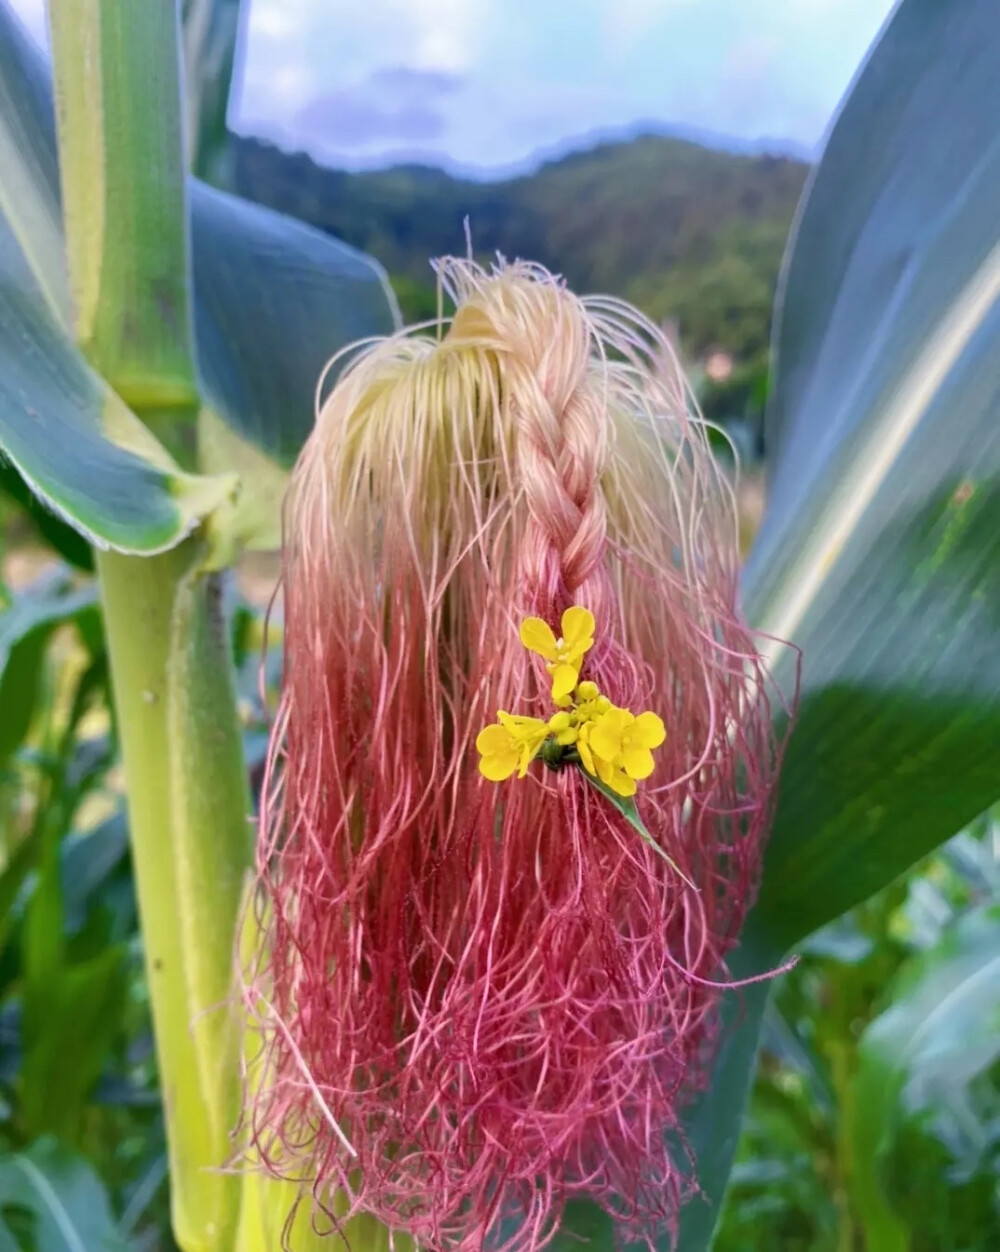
x: 213, y: 31
x: 895, y: 744
x: 285, y: 284
x: 877, y: 555
x: 938, y: 1033
x: 65, y: 1195
x: 52, y: 601
x: 29, y: 190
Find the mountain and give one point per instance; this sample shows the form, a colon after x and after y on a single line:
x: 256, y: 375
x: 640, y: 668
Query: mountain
x: 684, y: 231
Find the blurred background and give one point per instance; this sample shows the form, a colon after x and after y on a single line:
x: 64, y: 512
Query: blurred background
x: 654, y: 150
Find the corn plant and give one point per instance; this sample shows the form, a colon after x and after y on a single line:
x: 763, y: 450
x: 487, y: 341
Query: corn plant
x: 160, y: 346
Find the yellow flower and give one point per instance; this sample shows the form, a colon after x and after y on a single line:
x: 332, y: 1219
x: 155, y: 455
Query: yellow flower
x: 511, y: 745
x: 563, y: 727
x: 610, y: 743
x: 565, y: 654
x: 619, y: 744
x: 583, y: 748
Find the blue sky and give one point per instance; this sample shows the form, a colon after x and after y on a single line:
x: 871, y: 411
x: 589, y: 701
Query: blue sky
x: 490, y: 83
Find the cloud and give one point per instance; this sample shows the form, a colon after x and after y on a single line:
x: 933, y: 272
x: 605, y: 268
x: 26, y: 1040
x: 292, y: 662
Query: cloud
x: 486, y: 82
x: 394, y: 104
x: 409, y: 84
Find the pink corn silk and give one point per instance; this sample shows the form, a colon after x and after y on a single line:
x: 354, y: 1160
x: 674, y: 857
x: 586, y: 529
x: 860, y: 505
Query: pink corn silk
x: 499, y: 991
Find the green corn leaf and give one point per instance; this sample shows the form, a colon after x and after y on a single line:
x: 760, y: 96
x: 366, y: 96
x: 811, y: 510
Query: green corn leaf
x: 70, y: 437
x: 82, y: 1002
x: 50, y: 602
x: 89, y: 860
x: 940, y: 1032
x: 212, y: 37
x: 273, y: 302
x: 879, y: 554
x: 67, y: 1205
x: 19, y: 864
x: 29, y: 189
x: 77, y: 446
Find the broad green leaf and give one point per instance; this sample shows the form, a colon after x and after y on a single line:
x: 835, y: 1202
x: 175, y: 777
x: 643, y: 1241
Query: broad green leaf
x: 68, y: 1204
x: 19, y: 864
x: 72, y: 439
x: 50, y: 602
x: 83, y: 1002
x: 89, y: 859
x: 212, y: 38
x: 29, y: 189
x: 273, y: 301
x: 712, y: 1126
x: 879, y: 553
x: 941, y: 1031
x: 118, y: 111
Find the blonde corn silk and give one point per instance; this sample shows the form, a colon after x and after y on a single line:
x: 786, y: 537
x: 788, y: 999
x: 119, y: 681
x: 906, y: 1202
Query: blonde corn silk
x: 480, y: 1000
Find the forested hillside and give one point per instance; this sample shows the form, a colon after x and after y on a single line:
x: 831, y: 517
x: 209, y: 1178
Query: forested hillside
x: 682, y: 230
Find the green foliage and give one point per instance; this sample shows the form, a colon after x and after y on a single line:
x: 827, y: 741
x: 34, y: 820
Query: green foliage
x: 74, y: 1025
x: 25, y: 628
x: 873, y: 1120
x: 75, y: 1036
x: 51, y: 1201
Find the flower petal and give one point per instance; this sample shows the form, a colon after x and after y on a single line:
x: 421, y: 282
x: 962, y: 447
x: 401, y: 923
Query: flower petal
x: 605, y: 770
x: 578, y: 629
x: 537, y: 636
x: 498, y: 767
x: 606, y: 737
x: 586, y: 756
x: 648, y: 730
x: 494, y: 739
x: 638, y: 762
x: 621, y: 783
x: 523, y: 729
x: 528, y: 753
x: 564, y: 679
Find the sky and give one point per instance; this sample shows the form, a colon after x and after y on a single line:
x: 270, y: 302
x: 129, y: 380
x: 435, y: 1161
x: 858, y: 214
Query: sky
x: 491, y: 85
